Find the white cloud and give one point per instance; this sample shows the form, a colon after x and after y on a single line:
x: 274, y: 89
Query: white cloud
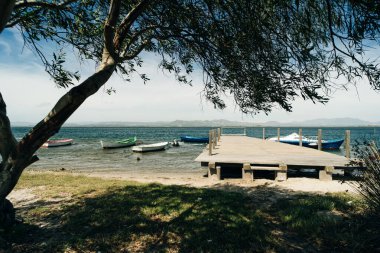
x: 30, y: 94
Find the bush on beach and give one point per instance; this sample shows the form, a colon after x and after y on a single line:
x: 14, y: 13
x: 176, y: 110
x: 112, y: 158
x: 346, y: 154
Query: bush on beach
x: 369, y: 181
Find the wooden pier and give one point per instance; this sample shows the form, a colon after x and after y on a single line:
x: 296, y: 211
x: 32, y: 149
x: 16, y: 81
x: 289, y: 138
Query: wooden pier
x: 253, y: 154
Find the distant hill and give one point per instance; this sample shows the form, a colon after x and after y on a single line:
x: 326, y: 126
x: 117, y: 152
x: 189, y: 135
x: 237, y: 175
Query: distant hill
x: 338, y: 122
x: 333, y: 122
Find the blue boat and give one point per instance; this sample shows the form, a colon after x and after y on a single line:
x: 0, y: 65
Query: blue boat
x: 310, y: 142
x: 328, y: 144
x: 193, y: 139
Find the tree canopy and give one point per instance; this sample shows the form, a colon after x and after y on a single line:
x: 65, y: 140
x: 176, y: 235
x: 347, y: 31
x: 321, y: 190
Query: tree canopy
x: 265, y: 53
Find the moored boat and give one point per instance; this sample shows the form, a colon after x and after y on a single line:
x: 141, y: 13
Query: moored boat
x: 328, y: 144
x: 194, y: 139
x: 120, y: 143
x: 57, y: 143
x: 151, y: 147
x: 311, y: 142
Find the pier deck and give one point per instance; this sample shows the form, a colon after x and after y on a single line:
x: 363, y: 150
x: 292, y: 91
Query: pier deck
x: 251, y: 151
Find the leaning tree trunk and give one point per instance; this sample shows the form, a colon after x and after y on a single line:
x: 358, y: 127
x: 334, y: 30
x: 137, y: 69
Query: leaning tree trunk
x: 6, y: 8
x: 16, y: 156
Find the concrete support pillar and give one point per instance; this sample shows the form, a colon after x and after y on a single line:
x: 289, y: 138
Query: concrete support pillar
x: 326, y: 174
x: 219, y: 172
x: 282, y: 174
x: 247, y: 172
x: 211, y: 169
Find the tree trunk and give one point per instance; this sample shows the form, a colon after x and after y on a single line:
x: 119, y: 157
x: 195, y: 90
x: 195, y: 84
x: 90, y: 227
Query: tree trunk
x: 6, y: 8
x: 7, y: 214
x: 18, y: 156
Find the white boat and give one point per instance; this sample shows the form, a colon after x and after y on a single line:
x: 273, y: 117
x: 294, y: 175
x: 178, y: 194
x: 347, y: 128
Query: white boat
x: 57, y: 143
x: 151, y: 147
x: 311, y: 142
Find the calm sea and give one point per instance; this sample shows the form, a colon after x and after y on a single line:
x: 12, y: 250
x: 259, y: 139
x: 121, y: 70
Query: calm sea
x: 87, y: 155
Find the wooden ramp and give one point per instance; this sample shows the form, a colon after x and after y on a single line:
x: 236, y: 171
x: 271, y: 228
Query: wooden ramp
x: 257, y: 154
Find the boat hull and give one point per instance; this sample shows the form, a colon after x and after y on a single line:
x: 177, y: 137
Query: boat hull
x: 293, y: 139
x: 119, y: 144
x: 193, y: 139
x: 328, y: 145
x: 57, y: 143
x: 151, y: 147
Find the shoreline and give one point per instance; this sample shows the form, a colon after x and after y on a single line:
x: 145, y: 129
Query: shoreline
x: 199, y: 180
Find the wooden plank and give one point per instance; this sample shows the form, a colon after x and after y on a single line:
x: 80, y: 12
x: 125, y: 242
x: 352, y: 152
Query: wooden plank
x: 243, y: 149
x: 268, y: 168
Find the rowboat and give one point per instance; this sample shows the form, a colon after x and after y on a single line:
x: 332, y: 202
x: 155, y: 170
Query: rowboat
x: 310, y: 142
x: 57, y: 143
x: 194, y: 139
x: 151, y: 147
x: 119, y: 144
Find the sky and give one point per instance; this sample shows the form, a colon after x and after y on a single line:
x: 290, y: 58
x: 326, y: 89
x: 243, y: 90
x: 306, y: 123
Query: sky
x: 30, y: 94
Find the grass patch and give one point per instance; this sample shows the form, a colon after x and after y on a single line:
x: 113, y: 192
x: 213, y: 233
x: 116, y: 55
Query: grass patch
x: 118, y: 216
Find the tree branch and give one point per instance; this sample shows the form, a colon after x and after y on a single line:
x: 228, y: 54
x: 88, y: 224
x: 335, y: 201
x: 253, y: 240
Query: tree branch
x: 127, y: 22
x: 32, y: 3
x: 109, y: 28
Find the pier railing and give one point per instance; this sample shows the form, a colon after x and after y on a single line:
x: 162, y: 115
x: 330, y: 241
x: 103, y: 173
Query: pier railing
x: 213, y: 139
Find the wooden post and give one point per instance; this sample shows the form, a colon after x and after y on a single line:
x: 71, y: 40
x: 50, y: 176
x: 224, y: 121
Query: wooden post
x: 347, y: 143
x: 215, y: 138
x: 263, y: 133
x: 210, y: 142
x: 300, y: 135
x: 319, y: 139
x: 219, y: 134
x: 219, y: 172
x: 278, y: 134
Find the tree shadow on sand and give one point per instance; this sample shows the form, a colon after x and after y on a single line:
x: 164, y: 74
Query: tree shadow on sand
x: 151, y: 218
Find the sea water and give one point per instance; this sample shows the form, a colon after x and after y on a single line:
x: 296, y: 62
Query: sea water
x: 86, y: 153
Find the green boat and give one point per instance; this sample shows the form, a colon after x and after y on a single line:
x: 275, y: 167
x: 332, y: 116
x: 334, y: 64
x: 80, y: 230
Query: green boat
x: 120, y: 143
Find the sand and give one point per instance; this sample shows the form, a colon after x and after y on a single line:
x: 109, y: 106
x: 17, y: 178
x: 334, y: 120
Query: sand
x: 299, y: 184
x: 22, y: 197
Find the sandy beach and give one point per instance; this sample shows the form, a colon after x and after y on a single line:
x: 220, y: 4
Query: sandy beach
x: 199, y: 180
x: 300, y: 184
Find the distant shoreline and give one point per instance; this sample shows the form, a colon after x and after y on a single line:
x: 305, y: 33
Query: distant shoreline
x: 211, y: 126
x: 332, y: 122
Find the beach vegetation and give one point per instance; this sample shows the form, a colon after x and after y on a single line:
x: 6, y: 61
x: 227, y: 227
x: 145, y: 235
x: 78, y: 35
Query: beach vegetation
x: 263, y: 53
x: 97, y: 215
x: 369, y: 181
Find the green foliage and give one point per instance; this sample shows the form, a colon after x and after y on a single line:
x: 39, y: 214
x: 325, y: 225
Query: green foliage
x: 265, y: 53
x: 369, y: 181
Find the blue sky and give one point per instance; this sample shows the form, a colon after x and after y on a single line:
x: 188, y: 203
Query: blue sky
x: 30, y: 94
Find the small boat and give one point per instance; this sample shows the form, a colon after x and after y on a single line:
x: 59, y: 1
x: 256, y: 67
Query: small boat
x: 151, y: 147
x: 57, y: 143
x: 328, y: 144
x: 310, y: 142
x: 193, y: 139
x: 175, y: 143
x: 120, y: 143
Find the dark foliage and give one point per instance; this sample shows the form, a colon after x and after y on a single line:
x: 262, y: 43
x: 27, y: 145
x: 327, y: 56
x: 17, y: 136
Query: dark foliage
x: 369, y: 181
x: 265, y: 53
